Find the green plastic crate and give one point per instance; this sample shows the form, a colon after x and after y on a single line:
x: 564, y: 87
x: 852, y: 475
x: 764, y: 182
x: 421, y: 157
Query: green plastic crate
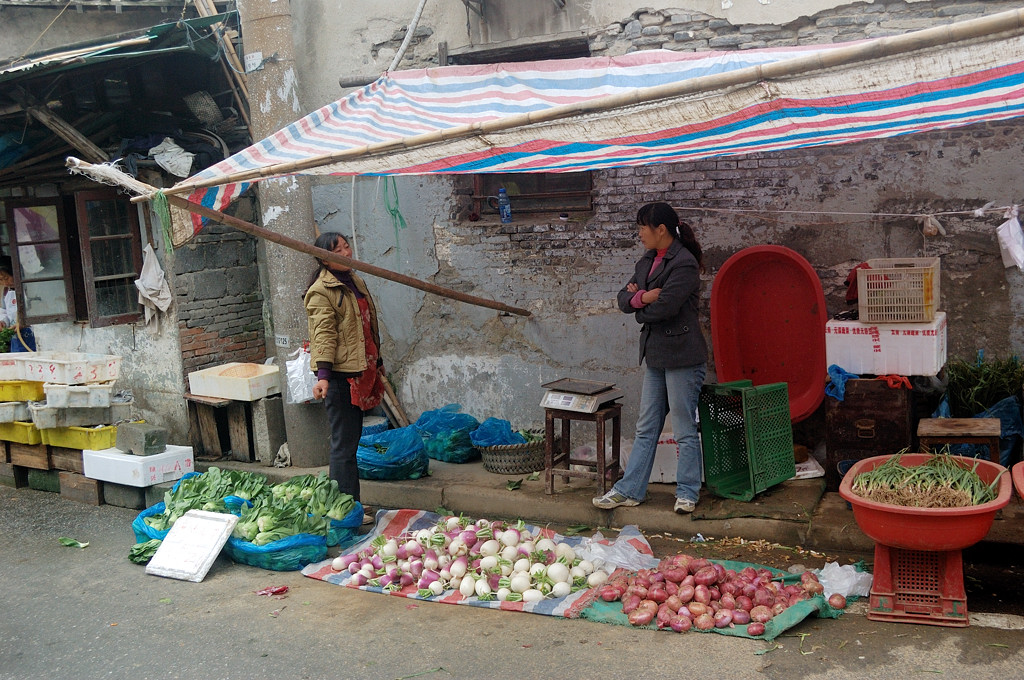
x: 746, y: 437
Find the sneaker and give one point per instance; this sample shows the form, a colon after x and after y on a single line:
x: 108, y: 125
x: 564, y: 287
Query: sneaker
x: 684, y: 507
x: 613, y: 499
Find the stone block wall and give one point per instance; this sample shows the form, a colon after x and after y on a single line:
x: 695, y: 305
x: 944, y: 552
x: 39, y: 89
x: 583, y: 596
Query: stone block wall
x: 220, y: 306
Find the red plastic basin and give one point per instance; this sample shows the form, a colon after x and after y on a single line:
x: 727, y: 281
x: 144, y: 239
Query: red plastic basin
x: 935, y: 529
x: 768, y: 324
x: 1018, y: 478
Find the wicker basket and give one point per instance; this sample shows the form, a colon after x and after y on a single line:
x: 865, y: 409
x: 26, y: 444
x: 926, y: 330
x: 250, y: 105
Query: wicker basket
x: 514, y: 459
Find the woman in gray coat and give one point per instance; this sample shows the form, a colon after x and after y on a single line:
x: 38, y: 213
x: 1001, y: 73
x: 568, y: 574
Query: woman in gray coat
x: 663, y: 295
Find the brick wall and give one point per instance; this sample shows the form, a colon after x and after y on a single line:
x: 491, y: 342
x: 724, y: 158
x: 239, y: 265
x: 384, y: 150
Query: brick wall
x: 220, y: 306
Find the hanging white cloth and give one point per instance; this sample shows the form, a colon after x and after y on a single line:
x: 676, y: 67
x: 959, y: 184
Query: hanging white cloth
x: 1011, y: 242
x: 154, y: 293
x: 172, y: 158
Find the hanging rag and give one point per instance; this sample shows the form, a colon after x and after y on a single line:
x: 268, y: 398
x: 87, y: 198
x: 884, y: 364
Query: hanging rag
x: 1011, y: 243
x: 154, y: 293
x: 851, y: 283
x: 836, y: 387
x: 172, y: 158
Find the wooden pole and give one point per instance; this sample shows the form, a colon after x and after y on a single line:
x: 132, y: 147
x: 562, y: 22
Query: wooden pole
x: 889, y: 46
x: 288, y: 242
x: 59, y: 126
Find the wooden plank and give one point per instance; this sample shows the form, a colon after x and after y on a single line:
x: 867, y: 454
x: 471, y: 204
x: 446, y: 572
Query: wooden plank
x: 208, y: 401
x: 78, y: 487
x: 959, y: 427
x: 208, y: 431
x: 63, y: 458
x: 238, y: 432
x: 391, y: 400
x: 15, y: 476
x: 36, y: 456
x: 59, y: 126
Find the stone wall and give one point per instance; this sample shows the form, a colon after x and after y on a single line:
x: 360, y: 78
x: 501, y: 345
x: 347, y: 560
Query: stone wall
x: 220, y: 306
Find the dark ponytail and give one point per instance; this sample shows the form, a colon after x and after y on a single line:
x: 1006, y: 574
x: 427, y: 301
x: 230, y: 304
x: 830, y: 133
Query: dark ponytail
x: 325, y: 241
x: 653, y: 214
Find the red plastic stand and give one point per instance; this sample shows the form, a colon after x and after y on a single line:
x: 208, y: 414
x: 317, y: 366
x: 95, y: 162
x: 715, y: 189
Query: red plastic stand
x: 918, y: 586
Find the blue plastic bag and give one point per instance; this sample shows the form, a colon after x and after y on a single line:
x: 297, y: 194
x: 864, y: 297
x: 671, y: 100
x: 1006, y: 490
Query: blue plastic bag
x: 288, y: 554
x: 144, y: 532
x: 446, y: 432
x: 28, y: 336
x: 495, y: 432
x: 1011, y: 429
x: 392, y: 454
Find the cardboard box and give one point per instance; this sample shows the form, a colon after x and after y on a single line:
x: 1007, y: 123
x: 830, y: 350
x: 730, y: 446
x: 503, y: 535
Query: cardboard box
x: 883, y: 349
x: 238, y: 381
x: 114, y: 465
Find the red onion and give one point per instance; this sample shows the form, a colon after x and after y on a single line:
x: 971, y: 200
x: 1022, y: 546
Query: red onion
x: 793, y: 599
x: 748, y: 574
x: 723, y: 618
x: 761, y: 614
x: 680, y: 624
x: 730, y: 588
x: 640, y: 617
x: 696, y: 608
x: 763, y: 597
x: 705, y: 576
x: 659, y: 595
x: 728, y: 601
x: 673, y: 602
x: 779, y: 607
x: 716, y: 594
x: 808, y: 576
x: 837, y: 601
x: 665, y: 614
x: 740, y: 617
x: 671, y: 587
x: 675, y: 575
x: 649, y: 604
x: 639, y: 590
x: 749, y: 589
x: 755, y: 628
x: 702, y: 594
x: 610, y: 593
x: 698, y: 564
x: 814, y: 587
x: 720, y: 570
x: 630, y: 603
x: 657, y: 577
x: 743, y: 602
x: 685, y: 593
x: 715, y: 605
x: 704, y: 622
x: 688, y: 581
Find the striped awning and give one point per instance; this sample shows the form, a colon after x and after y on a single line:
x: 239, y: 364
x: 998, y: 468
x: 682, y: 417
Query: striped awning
x: 645, y: 107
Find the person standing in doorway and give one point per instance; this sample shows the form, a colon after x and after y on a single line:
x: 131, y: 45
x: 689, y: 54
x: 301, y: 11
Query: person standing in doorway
x: 663, y: 295
x: 344, y: 346
x: 8, y: 299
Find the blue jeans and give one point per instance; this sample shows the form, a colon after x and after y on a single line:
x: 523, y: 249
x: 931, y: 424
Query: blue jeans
x: 675, y: 391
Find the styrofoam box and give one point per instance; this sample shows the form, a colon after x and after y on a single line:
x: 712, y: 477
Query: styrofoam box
x: 666, y: 460
x: 238, y: 381
x: 884, y: 349
x: 95, y: 395
x: 13, y: 410
x: 69, y: 368
x: 114, y: 465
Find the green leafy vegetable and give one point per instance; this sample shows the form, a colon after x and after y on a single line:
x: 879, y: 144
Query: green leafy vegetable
x: 514, y: 484
x: 72, y: 543
x: 141, y: 553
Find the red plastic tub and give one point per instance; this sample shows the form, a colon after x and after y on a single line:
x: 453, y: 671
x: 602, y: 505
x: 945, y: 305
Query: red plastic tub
x: 1018, y: 478
x: 768, y: 324
x: 937, y: 529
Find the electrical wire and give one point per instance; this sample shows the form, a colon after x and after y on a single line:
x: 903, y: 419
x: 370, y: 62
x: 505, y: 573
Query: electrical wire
x: 40, y: 36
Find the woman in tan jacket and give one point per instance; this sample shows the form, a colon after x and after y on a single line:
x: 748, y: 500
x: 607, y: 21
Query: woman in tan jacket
x: 344, y: 347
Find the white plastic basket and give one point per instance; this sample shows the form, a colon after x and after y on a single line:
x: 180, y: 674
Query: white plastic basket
x: 898, y: 290
x: 69, y: 368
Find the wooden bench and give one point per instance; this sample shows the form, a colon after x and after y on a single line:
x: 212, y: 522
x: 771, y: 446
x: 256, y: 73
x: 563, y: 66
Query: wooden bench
x: 560, y: 462
x: 938, y: 431
x: 204, y: 430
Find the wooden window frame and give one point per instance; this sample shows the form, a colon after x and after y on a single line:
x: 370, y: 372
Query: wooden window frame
x: 12, y: 205
x: 89, y: 279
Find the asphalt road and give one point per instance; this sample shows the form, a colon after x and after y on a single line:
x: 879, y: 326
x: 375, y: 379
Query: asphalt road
x: 90, y: 613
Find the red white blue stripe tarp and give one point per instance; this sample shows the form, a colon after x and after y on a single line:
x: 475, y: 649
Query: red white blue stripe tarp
x: 645, y: 107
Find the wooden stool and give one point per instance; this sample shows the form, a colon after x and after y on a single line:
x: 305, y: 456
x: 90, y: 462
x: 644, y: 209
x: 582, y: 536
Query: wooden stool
x: 561, y: 462
x: 983, y: 431
x: 205, y: 433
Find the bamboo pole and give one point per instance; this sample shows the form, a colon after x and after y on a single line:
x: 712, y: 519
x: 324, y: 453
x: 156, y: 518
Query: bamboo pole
x: 146, y: 190
x: 1010, y: 22
x: 233, y: 69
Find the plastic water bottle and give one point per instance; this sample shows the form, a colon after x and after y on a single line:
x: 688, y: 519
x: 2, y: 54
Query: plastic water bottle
x: 504, y: 207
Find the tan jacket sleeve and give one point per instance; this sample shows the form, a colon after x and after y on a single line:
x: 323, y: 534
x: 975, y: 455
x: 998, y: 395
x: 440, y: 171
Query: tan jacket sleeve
x: 323, y: 331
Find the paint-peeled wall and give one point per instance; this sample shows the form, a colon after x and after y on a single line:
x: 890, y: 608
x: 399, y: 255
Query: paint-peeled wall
x: 836, y: 206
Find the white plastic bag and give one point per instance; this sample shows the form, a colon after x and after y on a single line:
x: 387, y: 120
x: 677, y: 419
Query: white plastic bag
x: 300, y: 378
x: 620, y: 553
x: 845, y: 580
x: 1011, y: 243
